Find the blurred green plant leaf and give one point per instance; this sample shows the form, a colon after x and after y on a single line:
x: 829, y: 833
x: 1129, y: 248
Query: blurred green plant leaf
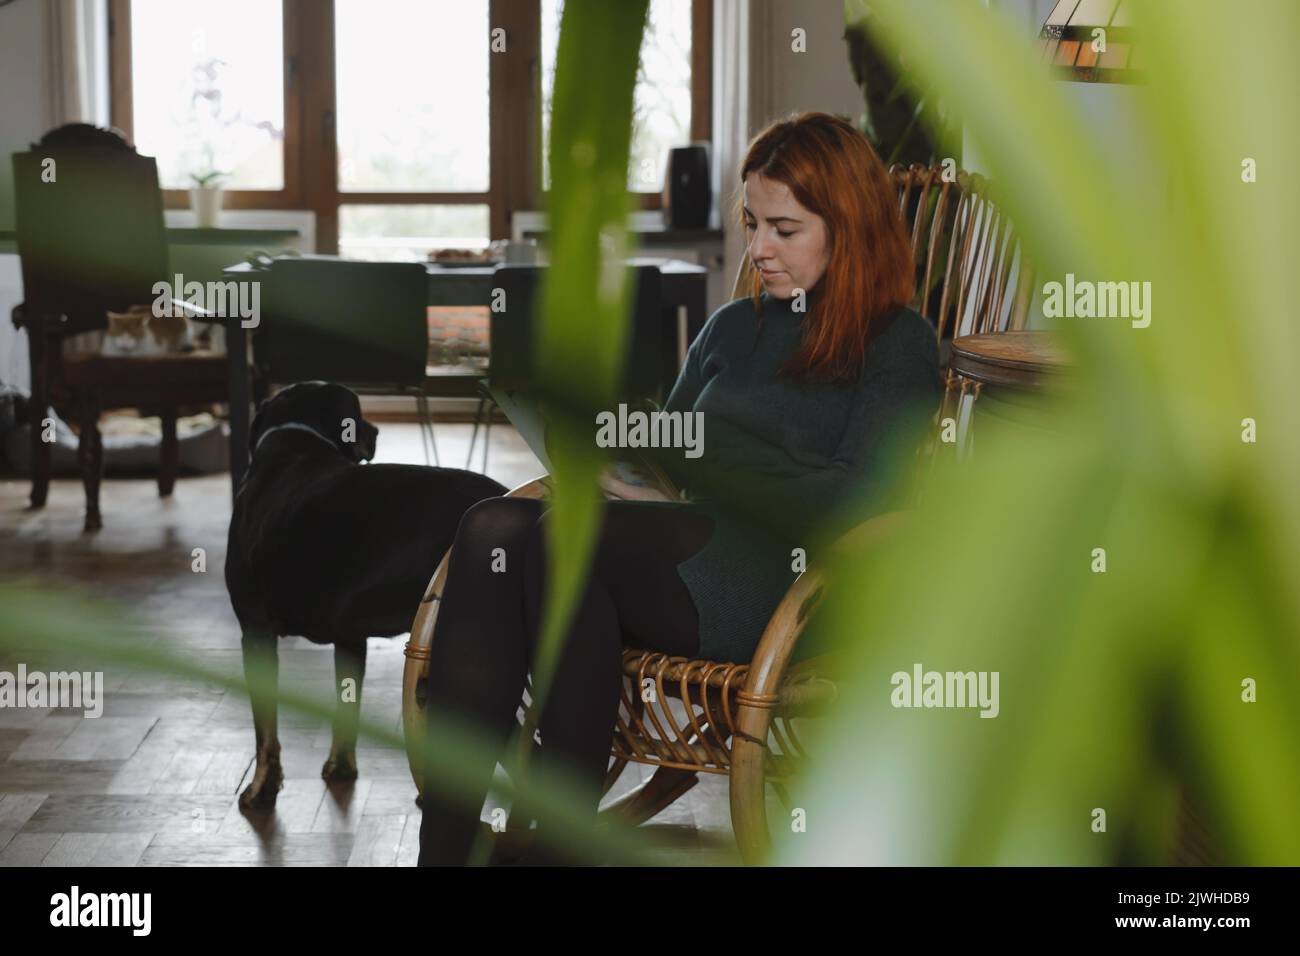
x: 1116, y: 688
x: 585, y: 294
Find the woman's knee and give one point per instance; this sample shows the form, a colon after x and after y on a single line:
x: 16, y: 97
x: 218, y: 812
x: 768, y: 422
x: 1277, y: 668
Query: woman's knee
x: 497, y: 523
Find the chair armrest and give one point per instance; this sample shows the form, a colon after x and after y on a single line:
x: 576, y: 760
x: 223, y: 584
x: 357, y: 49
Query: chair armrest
x: 768, y: 666
x: 542, y: 487
x: 870, y: 533
x: 25, y: 318
x: 772, y: 656
x: 537, y: 488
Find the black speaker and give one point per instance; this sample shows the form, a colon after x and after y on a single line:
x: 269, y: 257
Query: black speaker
x: 687, y: 192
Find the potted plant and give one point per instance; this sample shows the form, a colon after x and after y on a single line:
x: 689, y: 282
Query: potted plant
x: 902, y: 116
x: 205, y: 197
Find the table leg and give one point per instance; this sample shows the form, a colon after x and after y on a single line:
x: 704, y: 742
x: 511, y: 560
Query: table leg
x: 669, y: 350
x: 169, y: 453
x: 697, y: 307
x: 693, y: 295
x: 40, y: 408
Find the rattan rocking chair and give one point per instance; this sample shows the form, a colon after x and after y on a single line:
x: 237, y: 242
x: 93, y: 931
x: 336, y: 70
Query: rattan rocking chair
x: 737, y: 719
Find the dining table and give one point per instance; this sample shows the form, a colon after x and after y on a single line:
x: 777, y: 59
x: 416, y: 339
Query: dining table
x: 684, y: 311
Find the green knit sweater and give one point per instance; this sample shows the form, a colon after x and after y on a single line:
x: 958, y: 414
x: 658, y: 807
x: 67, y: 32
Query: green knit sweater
x: 785, y: 466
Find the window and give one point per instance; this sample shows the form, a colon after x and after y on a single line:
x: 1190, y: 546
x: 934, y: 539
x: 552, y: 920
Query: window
x: 391, y: 232
x: 661, y: 108
x: 206, y: 87
x: 392, y: 120
x: 208, y: 91
x: 408, y: 120
x: 412, y: 125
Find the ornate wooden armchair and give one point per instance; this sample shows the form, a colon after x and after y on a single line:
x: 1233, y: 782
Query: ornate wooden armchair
x: 737, y: 719
x: 91, y: 239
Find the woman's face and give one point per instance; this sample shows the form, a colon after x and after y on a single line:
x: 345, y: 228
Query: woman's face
x: 787, y: 243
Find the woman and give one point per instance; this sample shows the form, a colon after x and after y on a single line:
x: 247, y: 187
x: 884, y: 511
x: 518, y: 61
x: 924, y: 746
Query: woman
x: 806, y: 387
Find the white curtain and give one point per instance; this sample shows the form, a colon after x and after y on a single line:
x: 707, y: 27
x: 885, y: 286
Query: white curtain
x: 732, y: 76
x: 77, y: 61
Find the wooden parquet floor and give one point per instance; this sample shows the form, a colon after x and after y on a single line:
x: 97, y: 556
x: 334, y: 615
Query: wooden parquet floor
x: 155, y: 780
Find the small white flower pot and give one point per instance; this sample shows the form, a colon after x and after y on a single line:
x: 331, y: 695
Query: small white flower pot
x: 206, y: 203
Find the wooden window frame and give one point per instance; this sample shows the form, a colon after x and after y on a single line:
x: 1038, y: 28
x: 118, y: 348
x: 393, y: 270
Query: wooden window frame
x: 310, y: 174
x: 701, y: 94
x: 701, y: 85
x: 122, y: 107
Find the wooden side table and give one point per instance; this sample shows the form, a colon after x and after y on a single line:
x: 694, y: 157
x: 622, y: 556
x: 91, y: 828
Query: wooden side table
x: 1008, y: 372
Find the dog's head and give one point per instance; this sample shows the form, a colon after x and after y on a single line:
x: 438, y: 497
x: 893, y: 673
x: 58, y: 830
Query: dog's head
x: 332, y: 411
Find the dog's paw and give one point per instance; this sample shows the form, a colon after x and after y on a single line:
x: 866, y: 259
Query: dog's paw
x: 260, y: 794
x: 340, y: 766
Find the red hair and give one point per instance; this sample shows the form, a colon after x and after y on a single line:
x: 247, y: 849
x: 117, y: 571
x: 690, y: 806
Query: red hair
x: 832, y: 171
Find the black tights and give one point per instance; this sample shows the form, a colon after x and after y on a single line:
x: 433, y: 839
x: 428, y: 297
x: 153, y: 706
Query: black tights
x: 488, y: 628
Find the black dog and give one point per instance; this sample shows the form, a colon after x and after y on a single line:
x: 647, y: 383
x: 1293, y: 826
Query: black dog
x: 324, y: 548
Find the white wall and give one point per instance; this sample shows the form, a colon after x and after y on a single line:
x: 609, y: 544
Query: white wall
x: 1109, y: 110
x: 24, y: 113
x: 24, y: 95
x: 775, y: 81
x: 1111, y: 120
x: 818, y: 78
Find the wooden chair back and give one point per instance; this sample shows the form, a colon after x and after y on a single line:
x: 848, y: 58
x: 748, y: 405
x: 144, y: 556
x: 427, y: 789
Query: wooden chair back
x: 89, y: 217
x: 361, y: 324
x: 512, y: 352
x: 966, y: 252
